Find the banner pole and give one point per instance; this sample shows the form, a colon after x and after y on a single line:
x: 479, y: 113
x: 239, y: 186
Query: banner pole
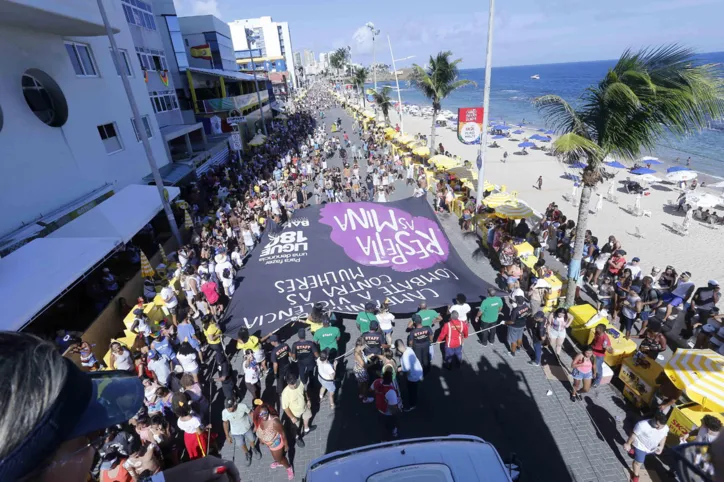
x: 486, y: 103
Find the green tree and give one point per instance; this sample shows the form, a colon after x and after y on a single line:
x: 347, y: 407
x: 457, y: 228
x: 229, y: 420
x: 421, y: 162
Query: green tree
x: 644, y: 96
x: 359, y: 80
x: 384, y: 101
x: 339, y: 59
x: 436, y: 82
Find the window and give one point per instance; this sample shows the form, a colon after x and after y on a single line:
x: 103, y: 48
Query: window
x: 164, y: 101
x: 44, y: 97
x: 81, y: 58
x: 139, y: 13
x: 110, y: 138
x: 146, y: 124
x: 126, y: 63
x: 153, y: 60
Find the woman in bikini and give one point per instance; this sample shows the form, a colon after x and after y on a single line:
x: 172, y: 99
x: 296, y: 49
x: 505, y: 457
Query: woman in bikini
x: 271, y: 432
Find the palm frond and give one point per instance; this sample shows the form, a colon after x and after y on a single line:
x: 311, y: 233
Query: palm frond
x: 559, y: 114
x: 572, y: 147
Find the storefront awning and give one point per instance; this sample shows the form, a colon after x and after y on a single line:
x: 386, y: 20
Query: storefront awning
x: 121, y: 216
x: 227, y: 74
x: 34, y: 275
x: 172, y: 173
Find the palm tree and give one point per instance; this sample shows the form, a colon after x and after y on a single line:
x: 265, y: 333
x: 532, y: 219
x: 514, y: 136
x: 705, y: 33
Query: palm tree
x: 645, y: 95
x: 338, y: 59
x: 359, y: 80
x: 436, y: 82
x: 383, y: 100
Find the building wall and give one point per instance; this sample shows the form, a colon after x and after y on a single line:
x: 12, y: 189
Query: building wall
x: 202, y: 29
x: 46, y: 167
x: 289, y: 53
x: 271, y: 43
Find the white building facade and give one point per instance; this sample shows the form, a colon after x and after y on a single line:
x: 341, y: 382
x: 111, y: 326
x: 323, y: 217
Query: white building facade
x: 67, y: 133
x: 274, y: 40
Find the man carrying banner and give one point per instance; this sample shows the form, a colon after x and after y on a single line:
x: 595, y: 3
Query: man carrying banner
x: 327, y: 337
x: 304, y: 352
x: 364, y: 318
x: 420, y: 339
x: 453, y: 333
x: 280, y: 361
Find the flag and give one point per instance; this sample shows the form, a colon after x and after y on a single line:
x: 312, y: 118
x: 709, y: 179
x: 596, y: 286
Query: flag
x: 188, y: 224
x: 164, y: 77
x: 201, y: 51
x: 146, y: 269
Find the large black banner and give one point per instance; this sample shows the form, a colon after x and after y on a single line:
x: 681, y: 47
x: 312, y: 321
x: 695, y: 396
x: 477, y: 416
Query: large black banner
x: 345, y: 255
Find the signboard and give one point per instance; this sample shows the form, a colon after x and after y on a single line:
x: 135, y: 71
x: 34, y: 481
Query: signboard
x: 344, y: 255
x: 235, y: 141
x: 236, y: 120
x: 470, y: 124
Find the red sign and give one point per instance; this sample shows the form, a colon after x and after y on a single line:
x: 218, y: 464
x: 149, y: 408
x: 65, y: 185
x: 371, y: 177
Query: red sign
x: 470, y: 124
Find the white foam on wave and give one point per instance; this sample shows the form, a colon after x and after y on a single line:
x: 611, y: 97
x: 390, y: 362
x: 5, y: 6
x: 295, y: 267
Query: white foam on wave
x: 510, y: 90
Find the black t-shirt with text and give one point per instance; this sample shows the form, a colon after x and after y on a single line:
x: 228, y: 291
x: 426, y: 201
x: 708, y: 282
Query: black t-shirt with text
x: 280, y: 355
x: 420, y: 337
x: 520, y: 314
x: 304, y: 351
x: 374, y: 341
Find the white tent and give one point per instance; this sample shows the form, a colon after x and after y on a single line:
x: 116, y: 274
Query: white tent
x: 34, y: 275
x: 121, y: 216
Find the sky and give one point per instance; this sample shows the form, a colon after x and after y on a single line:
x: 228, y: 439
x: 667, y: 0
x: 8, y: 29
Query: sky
x: 526, y: 32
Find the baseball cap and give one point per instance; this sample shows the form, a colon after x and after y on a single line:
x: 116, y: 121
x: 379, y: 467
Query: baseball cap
x: 274, y: 338
x: 87, y: 402
x: 301, y: 333
x: 374, y: 325
x: 369, y: 306
x: 713, y: 282
x: 539, y: 315
x: 138, y: 312
x: 636, y: 258
x: 416, y: 318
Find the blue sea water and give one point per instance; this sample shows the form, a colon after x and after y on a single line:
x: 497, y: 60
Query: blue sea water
x: 512, y: 90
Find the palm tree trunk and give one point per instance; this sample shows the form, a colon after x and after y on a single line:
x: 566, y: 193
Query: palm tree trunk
x: 574, y: 267
x: 432, y: 133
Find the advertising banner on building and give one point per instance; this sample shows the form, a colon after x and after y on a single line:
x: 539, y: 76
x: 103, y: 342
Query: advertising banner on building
x: 345, y: 255
x: 470, y: 124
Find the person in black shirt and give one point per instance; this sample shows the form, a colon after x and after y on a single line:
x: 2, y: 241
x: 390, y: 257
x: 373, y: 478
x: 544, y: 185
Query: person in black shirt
x: 538, y: 334
x: 304, y: 352
x: 518, y: 320
x: 280, y: 361
x: 225, y: 376
x: 374, y: 339
x: 420, y: 339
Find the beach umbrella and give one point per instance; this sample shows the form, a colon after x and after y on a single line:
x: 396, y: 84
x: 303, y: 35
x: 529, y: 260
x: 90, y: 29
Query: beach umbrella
x: 521, y: 124
x: 649, y: 178
x: 188, y: 224
x: 146, y: 269
x: 443, y: 162
x: 703, y: 200
x: 679, y: 176
x: 406, y: 138
x: 498, y: 137
x: 541, y: 130
x: 526, y: 144
x: 463, y: 172
x: 677, y: 169
x: 650, y: 160
x: 421, y: 151
x: 495, y: 200
x: 642, y: 170
x: 539, y: 137
x: 514, y: 210
x: 518, y: 132
x: 578, y: 165
x: 164, y: 259
x: 615, y: 164
x: 550, y: 132
x: 700, y: 373
x: 502, y: 127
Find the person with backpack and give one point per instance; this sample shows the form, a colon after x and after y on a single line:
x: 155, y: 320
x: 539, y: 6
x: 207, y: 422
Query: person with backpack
x: 387, y: 403
x: 650, y: 301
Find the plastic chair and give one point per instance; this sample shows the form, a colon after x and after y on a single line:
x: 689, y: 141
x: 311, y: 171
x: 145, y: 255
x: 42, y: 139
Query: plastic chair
x: 503, y: 188
x: 514, y: 193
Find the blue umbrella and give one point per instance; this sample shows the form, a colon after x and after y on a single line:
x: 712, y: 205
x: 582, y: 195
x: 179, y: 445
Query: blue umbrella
x: 521, y: 124
x: 650, y: 160
x: 501, y: 127
x: 643, y: 170
x: 526, y: 144
x: 498, y: 137
x: 518, y: 132
x: 539, y: 137
x: 578, y: 165
x: 549, y: 132
x: 541, y: 130
x: 677, y: 169
x: 615, y: 164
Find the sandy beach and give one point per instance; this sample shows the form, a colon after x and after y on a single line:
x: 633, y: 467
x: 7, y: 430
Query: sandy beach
x: 660, y: 246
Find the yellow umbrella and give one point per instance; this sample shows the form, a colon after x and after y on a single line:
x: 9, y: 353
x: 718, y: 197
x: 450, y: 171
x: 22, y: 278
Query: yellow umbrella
x: 700, y: 373
x: 513, y: 210
x: 146, y: 269
x: 164, y: 259
x: 369, y: 115
x: 421, y: 151
x: 495, y: 200
x: 258, y: 140
x: 405, y: 139
x: 389, y: 131
x: 463, y: 172
x: 443, y: 162
x: 188, y: 224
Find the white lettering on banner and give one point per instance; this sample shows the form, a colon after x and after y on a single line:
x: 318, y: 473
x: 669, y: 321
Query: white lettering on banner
x: 318, y: 280
x: 285, y: 247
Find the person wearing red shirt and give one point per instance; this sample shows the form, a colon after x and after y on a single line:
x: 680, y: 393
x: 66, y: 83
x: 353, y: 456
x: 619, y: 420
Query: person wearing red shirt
x: 209, y: 289
x: 453, y: 333
x: 616, y: 262
x: 600, y: 345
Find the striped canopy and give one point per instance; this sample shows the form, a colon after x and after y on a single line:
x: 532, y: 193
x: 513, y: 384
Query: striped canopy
x: 513, y: 210
x: 188, y: 223
x: 146, y: 269
x: 497, y: 199
x: 700, y: 373
x: 164, y: 258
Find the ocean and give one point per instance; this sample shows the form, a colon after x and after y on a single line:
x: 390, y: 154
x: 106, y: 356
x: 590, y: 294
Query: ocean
x: 512, y: 90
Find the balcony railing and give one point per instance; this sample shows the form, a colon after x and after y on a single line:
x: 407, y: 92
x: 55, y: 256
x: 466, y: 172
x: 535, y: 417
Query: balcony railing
x: 239, y: 102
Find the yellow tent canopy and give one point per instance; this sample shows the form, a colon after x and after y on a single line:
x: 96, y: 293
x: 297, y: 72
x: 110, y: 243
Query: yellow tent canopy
x: 421, y: 151
x: 700, y: 373
x: 257, y: 140
x: 369, y: 115
x: 513, y: 210
x: 443, y: 162
x: 495, y: 200
x: 463, y: 172
x: 405, y: 139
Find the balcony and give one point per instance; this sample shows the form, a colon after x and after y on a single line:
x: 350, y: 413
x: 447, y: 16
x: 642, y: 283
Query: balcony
x: 239, y: 102
x: 79, y: 18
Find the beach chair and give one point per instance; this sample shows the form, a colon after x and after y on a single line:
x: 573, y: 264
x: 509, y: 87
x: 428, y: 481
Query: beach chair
x: 612, y: 199
x: 680, y: 229
x: 503, y: 188
x: 638, y: 233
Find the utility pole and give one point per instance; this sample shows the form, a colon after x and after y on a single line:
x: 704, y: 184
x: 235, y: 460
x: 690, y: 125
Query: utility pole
x: 375, y: 33
x: 250, y: 40
x: 140, y: 127
x: 486, y: 103
x: 397, y: 81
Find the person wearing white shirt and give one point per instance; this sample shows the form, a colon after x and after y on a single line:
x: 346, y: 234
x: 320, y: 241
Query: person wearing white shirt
x: 326, y: 377
x: 160, y: 367
x: 170, y: 301
x: 223, y: 264
x: 385, y: 319
x: 461, y: 307
x: 412, y: 368
x: 636, y: 273
x: 648, y: 437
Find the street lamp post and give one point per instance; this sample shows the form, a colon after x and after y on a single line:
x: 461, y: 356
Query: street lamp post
x: 397, y: 82
x: 250, y: 40
x: 375, y: 33
x: 486, y: 103
x: 140, y: 127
